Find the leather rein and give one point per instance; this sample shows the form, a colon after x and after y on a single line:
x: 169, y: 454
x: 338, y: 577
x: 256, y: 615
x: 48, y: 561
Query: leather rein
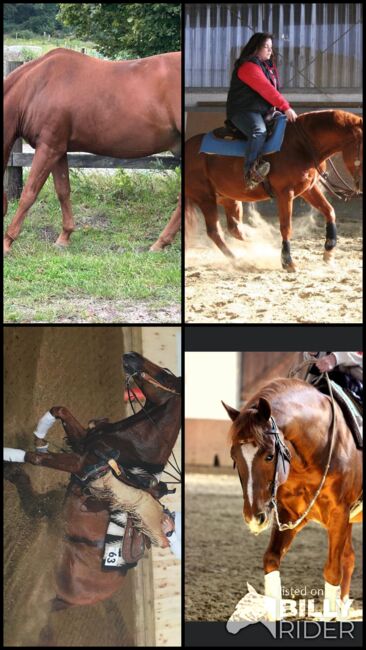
x: 344, y: 193
x: 282, y: 454
x: 290, y: 525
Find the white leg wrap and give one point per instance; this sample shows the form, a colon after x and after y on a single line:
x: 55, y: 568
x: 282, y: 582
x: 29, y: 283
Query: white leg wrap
x: 272, y: 592
x: 14, y: 455
x: 332, y: 593
x: 44, y: 424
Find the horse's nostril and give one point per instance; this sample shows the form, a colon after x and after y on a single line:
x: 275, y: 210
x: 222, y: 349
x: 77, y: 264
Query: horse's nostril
x: 261, y: 517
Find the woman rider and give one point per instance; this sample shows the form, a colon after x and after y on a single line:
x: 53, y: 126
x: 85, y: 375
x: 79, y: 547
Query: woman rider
x: 253, y: 93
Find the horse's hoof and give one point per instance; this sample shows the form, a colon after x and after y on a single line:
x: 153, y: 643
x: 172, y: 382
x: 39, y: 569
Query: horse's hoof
x: 60, y: 247
x: 290, y: 267
x: 328, y: 256
x: 156, y: 248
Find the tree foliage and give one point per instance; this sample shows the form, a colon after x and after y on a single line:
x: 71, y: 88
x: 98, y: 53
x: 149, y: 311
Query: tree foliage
x: 138, y: 29
x: 36, y: 17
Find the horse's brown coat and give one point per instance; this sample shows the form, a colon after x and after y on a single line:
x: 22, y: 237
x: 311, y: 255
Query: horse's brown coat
x: 304, y: 418
x: 66, y: 101
x: 212, y: 180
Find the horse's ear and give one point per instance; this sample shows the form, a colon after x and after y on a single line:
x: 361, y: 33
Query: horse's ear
x: 233, y: 413
x: 264, y: 409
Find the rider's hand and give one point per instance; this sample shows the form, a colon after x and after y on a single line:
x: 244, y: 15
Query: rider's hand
x: 291, y: 115
x: 326, y: 363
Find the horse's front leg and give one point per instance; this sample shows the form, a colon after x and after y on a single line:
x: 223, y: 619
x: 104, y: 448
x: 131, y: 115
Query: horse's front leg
x: 316, y: 198
x: 348, y: 562
x: 285, y: 204
x: 277, y: 548
x: 71, y: 463
x: 44, y: 159
x: 74, y: 430
x: 338, y: 532
x: 61, y: 181
x: 65, y: 462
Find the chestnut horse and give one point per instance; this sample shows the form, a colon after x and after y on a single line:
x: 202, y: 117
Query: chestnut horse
x: 145, y: 439
x: 67, y: 101
x: 282, y: 438
x: 212, y: 180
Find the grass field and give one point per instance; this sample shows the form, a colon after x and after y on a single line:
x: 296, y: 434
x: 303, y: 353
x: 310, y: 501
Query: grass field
x: 107, y: 274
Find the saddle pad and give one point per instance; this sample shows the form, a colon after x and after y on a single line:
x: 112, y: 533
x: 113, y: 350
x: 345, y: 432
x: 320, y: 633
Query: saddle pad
x: 212, y: 145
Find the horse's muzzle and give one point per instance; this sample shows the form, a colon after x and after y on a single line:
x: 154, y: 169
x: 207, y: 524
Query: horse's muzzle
x: 132, y: 362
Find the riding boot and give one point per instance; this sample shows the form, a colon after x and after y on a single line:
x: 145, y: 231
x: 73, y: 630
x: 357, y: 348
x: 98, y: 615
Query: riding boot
x: 148, y: 512
x: 256, y: 174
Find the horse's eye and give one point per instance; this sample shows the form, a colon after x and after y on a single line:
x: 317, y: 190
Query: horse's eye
x: 269, y: 458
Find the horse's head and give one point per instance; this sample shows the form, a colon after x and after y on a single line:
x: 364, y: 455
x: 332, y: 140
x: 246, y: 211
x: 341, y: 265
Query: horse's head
x: 352, y: 153
x: 157, y: 384
x: 261, y: 458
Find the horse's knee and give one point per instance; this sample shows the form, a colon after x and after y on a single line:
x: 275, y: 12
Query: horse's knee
x: 333, y: 573
x: 271, y: 561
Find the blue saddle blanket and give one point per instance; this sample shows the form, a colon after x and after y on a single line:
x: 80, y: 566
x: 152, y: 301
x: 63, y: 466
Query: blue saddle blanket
x: 211, y: 144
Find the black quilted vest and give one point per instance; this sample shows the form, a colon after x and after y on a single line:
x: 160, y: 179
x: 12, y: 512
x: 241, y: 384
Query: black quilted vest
x: 243, y: 98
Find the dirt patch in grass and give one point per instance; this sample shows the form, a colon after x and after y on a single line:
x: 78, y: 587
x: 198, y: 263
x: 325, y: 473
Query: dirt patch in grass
x: 101, y: 311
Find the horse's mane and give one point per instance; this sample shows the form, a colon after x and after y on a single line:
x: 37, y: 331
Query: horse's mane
x: 246, y: 427
x: 338, y: 118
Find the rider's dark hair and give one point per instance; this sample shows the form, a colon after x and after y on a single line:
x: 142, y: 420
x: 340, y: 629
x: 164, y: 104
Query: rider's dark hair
x: 254, y: 44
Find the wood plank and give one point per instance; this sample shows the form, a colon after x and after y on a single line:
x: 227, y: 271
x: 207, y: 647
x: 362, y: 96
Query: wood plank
x: 101, y: 162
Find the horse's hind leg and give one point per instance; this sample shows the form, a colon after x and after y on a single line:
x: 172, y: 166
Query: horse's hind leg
x: 234, y: 216
x: 44, y: 159
x: 169, y: 232
x: 210, y: 212
x: 316, y: 198
x: 61, y: 180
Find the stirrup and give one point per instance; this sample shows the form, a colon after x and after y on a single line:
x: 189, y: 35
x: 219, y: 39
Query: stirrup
x: 254, y: 177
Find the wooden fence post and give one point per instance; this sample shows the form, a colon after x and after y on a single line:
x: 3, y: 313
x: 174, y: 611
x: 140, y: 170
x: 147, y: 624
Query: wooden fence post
x: 14, y: 175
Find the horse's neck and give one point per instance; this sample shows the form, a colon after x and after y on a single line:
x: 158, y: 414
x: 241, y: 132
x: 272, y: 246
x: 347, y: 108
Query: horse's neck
x: 149, y: 435
x: 326, y: 137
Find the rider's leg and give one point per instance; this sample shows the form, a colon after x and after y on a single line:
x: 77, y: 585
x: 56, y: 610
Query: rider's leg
x: 252, y: 124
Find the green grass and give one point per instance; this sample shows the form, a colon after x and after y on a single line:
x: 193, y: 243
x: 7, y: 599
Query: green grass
x: 107, y: 273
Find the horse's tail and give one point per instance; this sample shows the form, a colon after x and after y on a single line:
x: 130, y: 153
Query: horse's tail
x: 190, y: 222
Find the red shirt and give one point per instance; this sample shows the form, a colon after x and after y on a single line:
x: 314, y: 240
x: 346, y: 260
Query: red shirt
x: 251, y: 74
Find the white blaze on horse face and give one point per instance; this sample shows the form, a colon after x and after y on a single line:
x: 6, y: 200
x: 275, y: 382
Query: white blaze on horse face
x: 248, y: 452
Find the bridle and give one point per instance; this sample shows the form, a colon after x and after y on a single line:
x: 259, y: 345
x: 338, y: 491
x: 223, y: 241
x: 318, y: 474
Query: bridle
x: 282, y: 454
x: 154, y: 382
x: 344, y: 193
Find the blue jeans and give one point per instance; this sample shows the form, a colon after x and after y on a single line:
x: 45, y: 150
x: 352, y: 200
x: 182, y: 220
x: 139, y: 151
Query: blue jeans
x: 253, y: 126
